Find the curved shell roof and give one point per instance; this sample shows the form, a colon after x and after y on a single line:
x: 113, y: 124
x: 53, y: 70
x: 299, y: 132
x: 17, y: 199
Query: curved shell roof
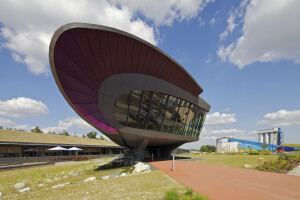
x: 82, y: 56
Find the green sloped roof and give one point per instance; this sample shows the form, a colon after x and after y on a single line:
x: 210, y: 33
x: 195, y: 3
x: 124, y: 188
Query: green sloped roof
x: 29, y: 137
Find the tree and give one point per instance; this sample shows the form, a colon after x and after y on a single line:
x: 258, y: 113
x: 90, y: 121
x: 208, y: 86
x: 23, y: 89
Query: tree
x: 208, y: 148
x: 264, y: 146
x: 36, y: 130
x: 1, y: 127
x: 91, y: 134
x: 101, y: 137
x: 83, y: 136
x: 64, y: 133
x: 51, y: 132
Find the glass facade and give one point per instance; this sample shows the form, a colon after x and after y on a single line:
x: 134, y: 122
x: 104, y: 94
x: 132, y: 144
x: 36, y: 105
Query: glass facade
x: 159, y: 112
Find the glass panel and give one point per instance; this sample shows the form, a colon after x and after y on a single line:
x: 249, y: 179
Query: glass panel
x: 144, y: 109
x: 159, y: 112
x: 121, y: 108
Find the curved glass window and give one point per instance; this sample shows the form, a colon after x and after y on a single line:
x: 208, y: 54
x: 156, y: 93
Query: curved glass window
x: 159, y: 112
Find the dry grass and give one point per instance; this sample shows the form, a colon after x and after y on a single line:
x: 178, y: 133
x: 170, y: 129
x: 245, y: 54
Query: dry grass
x: 292, y: 145
x: 20, y: 136
x: 151, y: 185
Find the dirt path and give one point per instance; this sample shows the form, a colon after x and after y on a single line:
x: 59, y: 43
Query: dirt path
x: 219, y: 182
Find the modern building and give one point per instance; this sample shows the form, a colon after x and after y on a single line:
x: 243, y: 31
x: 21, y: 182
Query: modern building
x: 128, y: 89
x: 226, y: 146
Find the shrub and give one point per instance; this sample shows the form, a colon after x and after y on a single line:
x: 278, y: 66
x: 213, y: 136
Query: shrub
x: 253, y: 153
x: 171, y: 195
x: 189, y: 192
x: 282, y: 165
x: 199, y: 197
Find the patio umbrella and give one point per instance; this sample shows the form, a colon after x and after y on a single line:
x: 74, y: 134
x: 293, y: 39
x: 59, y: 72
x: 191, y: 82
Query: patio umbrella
x: 75, y: 149
x: 58, y: 148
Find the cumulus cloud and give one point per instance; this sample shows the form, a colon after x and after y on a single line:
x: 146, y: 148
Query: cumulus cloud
x: 27, y: 26
x: 22, y: 107
x: 217, y: 118
x: 6, y: 122
x: 281, y: 118
x: 66, y: 124
x: 165, y: 12
x: 224, y: 52
x: 270, y: 33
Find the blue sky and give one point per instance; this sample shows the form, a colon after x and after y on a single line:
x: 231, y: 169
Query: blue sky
x: 244, y: 54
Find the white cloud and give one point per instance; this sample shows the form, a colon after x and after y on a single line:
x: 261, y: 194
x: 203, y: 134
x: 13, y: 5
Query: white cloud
x: 66, y: 124
x: 208, y: 59
x: 223, y: 52
x: 29, y: 25
x: 217, y: 118
x: 6, y: 122
x: 270, y: 33
x: 165, y: 12
x: 282, y: 118
x: 212, y: 21
x: 22, y: 107
x: 201, y: 22
x: 230, y: 27
x: 226, y: 132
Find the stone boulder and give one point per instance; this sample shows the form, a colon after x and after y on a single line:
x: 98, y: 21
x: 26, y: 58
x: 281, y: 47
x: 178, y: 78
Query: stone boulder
x: 19, y: 185
x: 90, y: 179
x: 139, y: 167
x: 247, y: 166
x: 27, y: 189
x: 61, y: 185
x: 105, y: 177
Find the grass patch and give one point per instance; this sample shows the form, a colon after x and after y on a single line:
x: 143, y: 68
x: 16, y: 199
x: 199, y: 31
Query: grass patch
x: 48, y: 175
x: 150, y: 185
x: 233, y: 160
x: 282, y: 165
x: 189, y: 194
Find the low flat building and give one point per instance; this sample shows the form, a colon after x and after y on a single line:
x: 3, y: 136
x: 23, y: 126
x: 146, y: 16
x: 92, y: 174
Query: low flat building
x: 28, y: 144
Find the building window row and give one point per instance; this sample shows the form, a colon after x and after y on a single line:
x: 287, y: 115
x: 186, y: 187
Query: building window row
x: 159, y: 112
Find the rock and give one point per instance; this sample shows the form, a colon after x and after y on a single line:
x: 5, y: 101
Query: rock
x: 123, y: 174
x: 247, y: 166
x: 49, y: 180
x: 55, y: 178
x: 90, y: 179
x: 40, y: 185
x: 71, y: 172
x: 0, y: 194
x: 61, y: 185
x: 62, y: 173
x: 27, y: 189
x: 65, y: 176
x: 105, y: 177
x: 19, y: 185
x: 140, y: 167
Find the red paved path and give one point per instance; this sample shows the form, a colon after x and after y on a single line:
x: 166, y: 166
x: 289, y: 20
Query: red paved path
x: 219, y: 182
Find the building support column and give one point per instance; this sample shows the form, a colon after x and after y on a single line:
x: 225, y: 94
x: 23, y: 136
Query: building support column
x: 140, y: 150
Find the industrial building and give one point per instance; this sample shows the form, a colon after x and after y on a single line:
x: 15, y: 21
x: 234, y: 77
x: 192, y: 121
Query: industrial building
x: 270, y: 136
x: 128, y: 89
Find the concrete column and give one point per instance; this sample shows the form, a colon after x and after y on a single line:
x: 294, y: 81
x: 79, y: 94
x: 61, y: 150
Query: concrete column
x: 140, y: 150
x: 260, y: 138
x: 267, y: 138
x: 272, y: 138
